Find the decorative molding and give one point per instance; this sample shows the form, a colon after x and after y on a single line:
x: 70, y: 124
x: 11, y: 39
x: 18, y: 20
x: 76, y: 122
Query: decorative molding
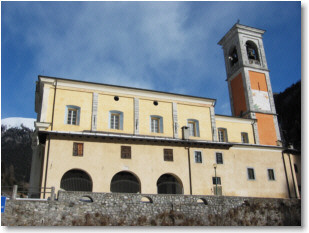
x: 136, y: 116
x: 45, y: 99
x: 277, y: 128
x: 94, y: 117
x: 175, y: 120
x: 98, y: 87
x: 213, y: 124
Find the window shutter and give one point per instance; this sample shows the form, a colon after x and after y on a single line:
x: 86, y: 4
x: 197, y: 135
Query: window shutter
x: 121, y: 121
x: 197, y: 129
x: 78, y: 149
x: 75, y: 150
x: 168, y: 154
x: 126, y: 152
x: 161, y: 124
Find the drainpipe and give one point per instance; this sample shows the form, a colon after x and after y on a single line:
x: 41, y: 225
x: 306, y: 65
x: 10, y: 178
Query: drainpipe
x: 293, y: 176
x: 53, y: 113
x: 189, y: 164
x: 286, y: 175
x: 46, y: 168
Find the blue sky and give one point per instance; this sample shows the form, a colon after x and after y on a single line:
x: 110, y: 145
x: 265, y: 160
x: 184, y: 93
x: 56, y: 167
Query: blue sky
x: 165, y: 46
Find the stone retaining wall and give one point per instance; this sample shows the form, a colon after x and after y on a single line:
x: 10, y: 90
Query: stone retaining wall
x: 81, y: 208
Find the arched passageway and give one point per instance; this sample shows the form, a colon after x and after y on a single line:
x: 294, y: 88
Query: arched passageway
x: 76, y: 180
x: 168, y: 184
x: 125, y: 182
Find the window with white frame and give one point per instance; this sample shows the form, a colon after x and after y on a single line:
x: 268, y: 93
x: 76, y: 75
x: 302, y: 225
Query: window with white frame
x: 222, y: 135
x: 198, y: 156
x: 244, y: 137
x: 193, y: 127
x: 72, y: 115
x: 116, y: 120
x: 156, y: 124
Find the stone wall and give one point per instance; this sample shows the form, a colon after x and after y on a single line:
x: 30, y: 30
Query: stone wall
x: 80, y: 208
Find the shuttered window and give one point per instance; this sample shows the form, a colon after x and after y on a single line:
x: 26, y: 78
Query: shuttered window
x: 78, y: 149
x: 168, y: 154
x: 126, y: 152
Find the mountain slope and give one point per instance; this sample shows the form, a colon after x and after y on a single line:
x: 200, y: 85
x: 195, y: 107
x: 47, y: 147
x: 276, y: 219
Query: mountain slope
x: 16, y: 122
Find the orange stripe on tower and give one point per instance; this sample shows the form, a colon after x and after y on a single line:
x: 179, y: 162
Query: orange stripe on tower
x: 266, y: 129
x: 238, y: 93
x: 258, y: 81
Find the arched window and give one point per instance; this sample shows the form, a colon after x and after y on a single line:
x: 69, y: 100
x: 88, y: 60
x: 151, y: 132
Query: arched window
x: 72, y: 115
x: 252, y: 51
x: 168, y: 184
x: 115, y: 120
x: 194, y: 128
x: 125, y: 182
x: 233, y: 56
x: 76, y: 180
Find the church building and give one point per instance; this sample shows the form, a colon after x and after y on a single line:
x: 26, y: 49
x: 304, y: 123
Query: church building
x: 105, y: 138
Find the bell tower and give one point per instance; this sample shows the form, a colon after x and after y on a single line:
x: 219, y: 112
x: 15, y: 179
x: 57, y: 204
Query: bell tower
x: 248, y: 80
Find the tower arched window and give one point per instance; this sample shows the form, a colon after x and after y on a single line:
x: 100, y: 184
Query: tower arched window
x: 233, y: 56
x: 252, y: 51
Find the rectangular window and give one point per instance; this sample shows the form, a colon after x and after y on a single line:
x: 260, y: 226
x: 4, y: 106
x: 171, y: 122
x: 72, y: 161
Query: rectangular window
x: 78, y: 149
x: 219, y: 158
x: 192, y: 128
x: 126, y: 152
x: 115, y: 121
x: 72, y: 116
x: 155, y: 125
x: 244, y: 137
x: 271, y: 174
x: 222, y: 134
x: 218, y: 180
x: 251, y: 175
x: 168, y: 154
x: 198, y: 156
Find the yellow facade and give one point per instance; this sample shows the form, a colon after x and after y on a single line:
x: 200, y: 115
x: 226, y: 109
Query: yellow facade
x: 101, y: 158
x: 235, y: 127
x: 106, y: 138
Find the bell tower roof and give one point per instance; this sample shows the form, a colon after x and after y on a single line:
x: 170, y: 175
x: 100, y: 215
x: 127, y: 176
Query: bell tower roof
x: 243, y: 29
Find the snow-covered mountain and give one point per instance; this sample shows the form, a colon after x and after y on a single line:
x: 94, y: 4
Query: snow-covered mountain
x: 12, y: 122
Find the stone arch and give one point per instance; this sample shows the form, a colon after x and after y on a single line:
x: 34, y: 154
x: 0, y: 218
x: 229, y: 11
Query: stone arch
x: 76, y: 180
x: 169, y: 184
x: 252, y: 51
x: 125, y: 182
x: 202, y: 201
x: 233, y: 56
x: 146, y: 199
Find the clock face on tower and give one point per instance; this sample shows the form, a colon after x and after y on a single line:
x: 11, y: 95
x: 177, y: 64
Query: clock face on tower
x: 260, y: 100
